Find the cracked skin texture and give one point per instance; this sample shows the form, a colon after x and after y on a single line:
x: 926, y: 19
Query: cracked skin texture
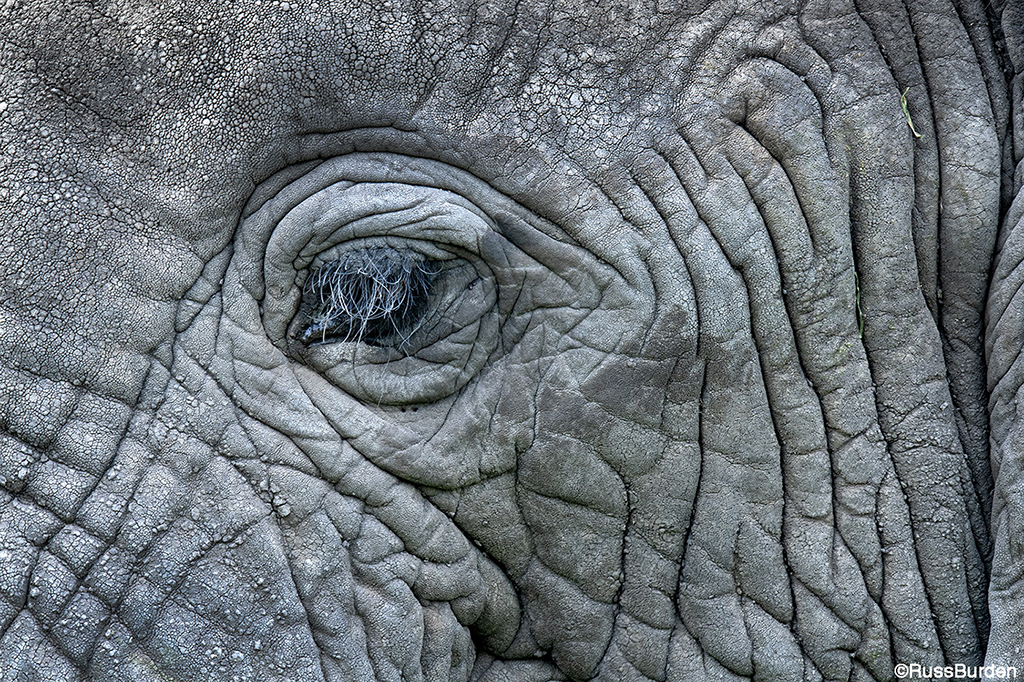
x: 699, y: 394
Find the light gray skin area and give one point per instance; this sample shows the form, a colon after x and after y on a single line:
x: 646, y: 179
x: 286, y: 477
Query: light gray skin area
x: 698, y: 394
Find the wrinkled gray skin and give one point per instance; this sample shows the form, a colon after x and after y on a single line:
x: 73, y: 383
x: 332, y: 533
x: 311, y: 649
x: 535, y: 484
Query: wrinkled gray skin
x: 701, y: 394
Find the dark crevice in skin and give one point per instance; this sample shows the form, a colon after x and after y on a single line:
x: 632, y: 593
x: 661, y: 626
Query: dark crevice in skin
x: 666, y: 219
x: 743, y: 600
x: 47, y: 452
x: 981, y: 541
x: 700, y: 483
x: 807, y: 660
x: 98, y: 480
x: 742, y: 125
x: 902, y: 486
x: 980, y: 476
x: 994, y: 14
x: 821, y: 415
x: 980, y: 611
x: 84, y: 106
x: 317, y: 145
x: 885, y: 550
x: 741, y: 272
x: 997, y: 60
x: 979, y: 473
x: 420, y: 29
x: 979, y: 482
x: 702, y: 393
x: 791, y: 625
x: 617, y: 600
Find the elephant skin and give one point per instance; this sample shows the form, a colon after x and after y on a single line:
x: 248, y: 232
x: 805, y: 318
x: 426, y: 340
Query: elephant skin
x: 706, y: 365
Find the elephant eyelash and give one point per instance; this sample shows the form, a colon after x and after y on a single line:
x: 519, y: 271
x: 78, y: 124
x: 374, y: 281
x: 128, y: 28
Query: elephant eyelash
x: 376, y: 296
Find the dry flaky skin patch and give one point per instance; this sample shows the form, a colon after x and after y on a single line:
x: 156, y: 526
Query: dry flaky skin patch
x: 373, y: 295
x: 699, y: 399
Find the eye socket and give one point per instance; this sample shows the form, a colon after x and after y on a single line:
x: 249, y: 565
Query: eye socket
x: 397, y: 279
x: 375, y: 295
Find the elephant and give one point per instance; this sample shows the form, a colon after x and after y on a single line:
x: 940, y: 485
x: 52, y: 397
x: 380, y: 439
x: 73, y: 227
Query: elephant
x: 511, y: 340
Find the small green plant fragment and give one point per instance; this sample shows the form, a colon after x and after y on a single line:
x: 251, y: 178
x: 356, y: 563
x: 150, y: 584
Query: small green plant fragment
x: 906, y: 112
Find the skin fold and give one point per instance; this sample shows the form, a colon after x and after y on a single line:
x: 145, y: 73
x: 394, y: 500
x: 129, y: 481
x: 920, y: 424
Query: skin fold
x: 509, y: 341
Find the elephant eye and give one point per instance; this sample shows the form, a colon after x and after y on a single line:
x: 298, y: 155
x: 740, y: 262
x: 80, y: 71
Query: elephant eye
x: 376, y: 296
x: 397, y: 279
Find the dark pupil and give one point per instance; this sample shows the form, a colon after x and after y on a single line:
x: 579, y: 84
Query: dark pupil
x: 374, y: 295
